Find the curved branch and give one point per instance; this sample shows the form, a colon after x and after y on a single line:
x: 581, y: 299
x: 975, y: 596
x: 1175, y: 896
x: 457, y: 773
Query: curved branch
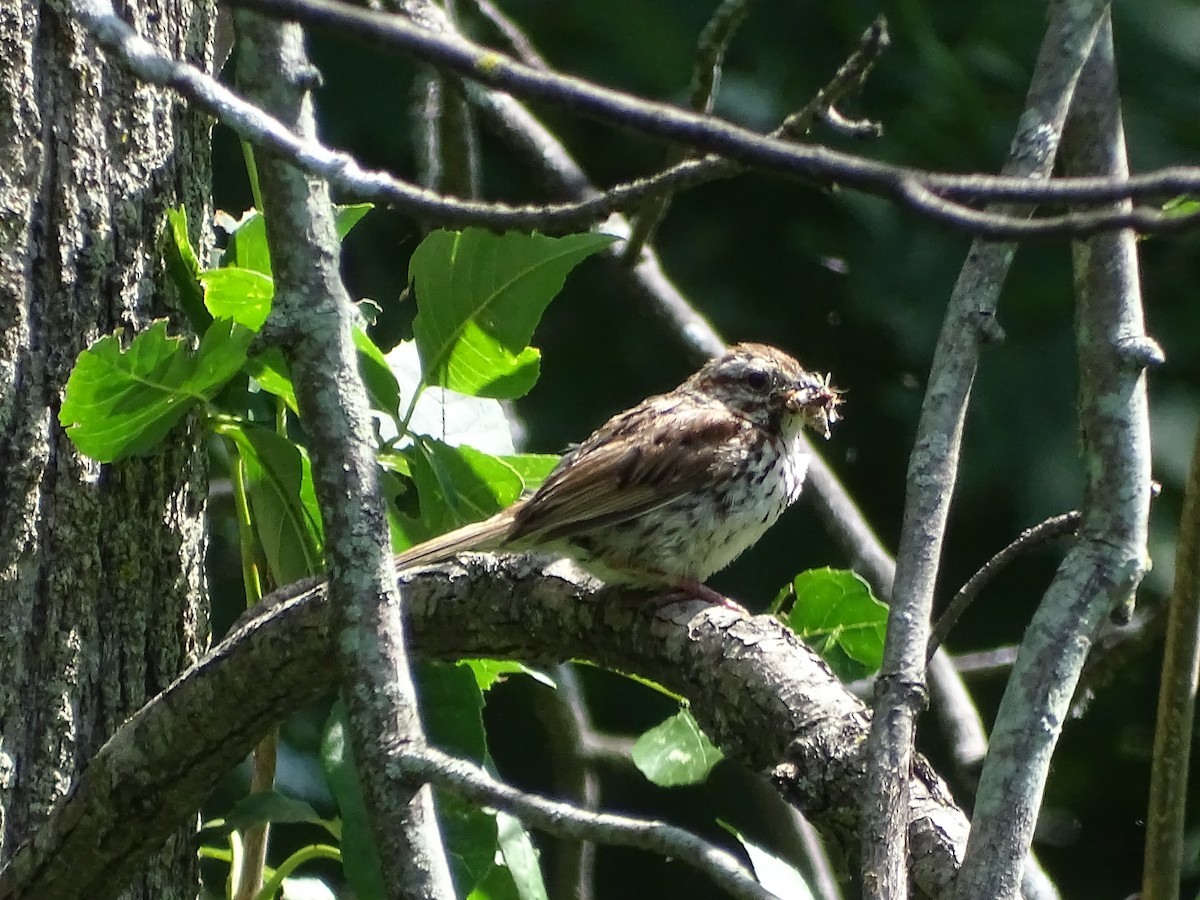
x: 564, y: 820
x: 760, y: 694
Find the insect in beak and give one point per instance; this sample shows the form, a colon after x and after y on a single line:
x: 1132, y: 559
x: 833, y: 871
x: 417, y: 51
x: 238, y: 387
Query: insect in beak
x: 818, y: 401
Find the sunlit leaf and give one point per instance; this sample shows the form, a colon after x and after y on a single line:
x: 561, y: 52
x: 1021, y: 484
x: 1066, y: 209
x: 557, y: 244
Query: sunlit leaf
x: 675, y: 752
x: 479, y: 297
x: 243, y: 295
x: 837, y: 615
x: 123, y: 402
x: 777, y: 875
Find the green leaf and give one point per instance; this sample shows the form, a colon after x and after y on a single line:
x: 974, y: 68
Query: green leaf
x: 243, y: 295
x: 479, y: 297
x: 283, y: 500
x: 452, y: 709
x: 360, y: 858
x: 382, y: 388
x: 532, y: 467
x: 270, y: 370
x: 837, y: 615
x: 675, y: 752
x: 498, y: 884
x: 349, y: 215
x: 777, y: 875
x: 247, y: 247
x: 490, y: 672
x: 184, y: 269
x: 1183, y: 205
x: 269, y: 806
x: 123, y: 402
x: 452, y: 713
x: 455, y: 485
x: 520, y: 858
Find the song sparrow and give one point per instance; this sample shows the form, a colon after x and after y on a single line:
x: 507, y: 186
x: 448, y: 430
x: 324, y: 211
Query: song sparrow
x: 674, y: 489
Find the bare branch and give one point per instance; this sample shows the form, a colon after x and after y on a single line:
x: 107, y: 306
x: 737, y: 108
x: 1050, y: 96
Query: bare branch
x: 933, y: 464
x: 1109, y: 559
x: 312, y: 319
x: 473, y: 783
x: 849, y: 75
x: 1050, y: 530
x: 704, y: 132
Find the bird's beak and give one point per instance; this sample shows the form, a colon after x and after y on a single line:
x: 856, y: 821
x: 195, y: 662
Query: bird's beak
x: 818, y: 402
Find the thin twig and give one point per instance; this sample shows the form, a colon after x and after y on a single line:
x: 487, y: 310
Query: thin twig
x: 850, y: 74
x: 1050, y: 530
x: 518, y: 42
x: 985, y: 662
x: 939, y: 198
x: 1163, y: 862
x: 714, y: 41
x: 563, y: 820
x: 725, y: 138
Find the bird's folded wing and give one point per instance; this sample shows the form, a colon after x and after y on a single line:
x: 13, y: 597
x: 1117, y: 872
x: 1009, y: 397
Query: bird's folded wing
x: 605, y: 481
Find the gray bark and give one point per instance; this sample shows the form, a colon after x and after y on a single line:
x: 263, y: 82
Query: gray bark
x: 100, y: 566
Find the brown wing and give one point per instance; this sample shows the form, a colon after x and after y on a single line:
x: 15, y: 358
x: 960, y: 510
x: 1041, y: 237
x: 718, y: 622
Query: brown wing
x: 636, y: 462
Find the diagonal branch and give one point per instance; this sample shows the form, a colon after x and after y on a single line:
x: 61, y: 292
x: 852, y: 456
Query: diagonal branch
x: 564, y: 820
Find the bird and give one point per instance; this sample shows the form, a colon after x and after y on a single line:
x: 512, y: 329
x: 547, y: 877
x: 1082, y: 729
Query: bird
x: 675, y: 488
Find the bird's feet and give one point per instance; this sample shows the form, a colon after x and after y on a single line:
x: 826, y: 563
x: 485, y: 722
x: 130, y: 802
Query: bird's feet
x: 691, y: 589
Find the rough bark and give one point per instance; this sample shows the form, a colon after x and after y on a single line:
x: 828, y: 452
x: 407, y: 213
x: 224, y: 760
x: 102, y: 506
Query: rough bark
x: 100, y: 566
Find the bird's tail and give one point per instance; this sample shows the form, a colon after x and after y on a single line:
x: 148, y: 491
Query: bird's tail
x: 486, y: 535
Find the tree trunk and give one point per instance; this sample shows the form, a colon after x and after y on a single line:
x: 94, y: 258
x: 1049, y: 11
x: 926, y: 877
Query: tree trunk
x: 101, y: 567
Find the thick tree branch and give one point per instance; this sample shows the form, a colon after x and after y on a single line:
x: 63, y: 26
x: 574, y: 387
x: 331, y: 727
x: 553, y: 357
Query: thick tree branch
x: 1108, y: 561
x: 760, y: 694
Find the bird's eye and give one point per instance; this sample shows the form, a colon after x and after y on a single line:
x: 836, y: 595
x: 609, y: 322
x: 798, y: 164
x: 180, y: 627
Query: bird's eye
x: 757, y: 379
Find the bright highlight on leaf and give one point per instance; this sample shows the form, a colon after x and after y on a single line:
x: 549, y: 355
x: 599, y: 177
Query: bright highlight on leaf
x: 123, y: 402
x: 480, y: 295
x: 837, y: 615
x: 773, y: 872
x: 675, y: 752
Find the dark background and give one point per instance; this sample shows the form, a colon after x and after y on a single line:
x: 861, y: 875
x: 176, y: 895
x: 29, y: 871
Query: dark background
x: 850, y: 284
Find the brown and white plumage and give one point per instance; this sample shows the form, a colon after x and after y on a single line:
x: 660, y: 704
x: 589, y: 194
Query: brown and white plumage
x: 675, y: 488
